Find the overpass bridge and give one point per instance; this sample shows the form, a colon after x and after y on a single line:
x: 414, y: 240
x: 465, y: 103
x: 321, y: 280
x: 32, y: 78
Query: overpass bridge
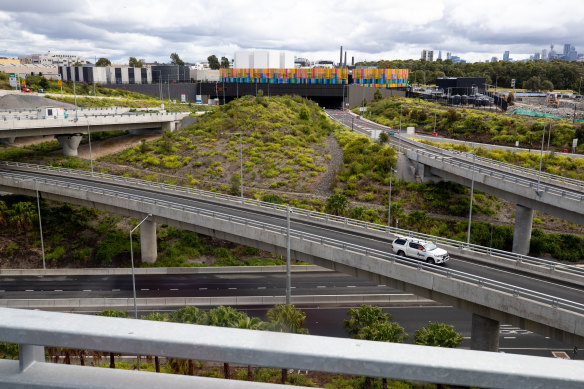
x: 527, y: 188
x: 536, y: 295
x: 69, y: 129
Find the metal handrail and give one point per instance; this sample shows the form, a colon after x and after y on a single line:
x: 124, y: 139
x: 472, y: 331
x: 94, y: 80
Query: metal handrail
x: 368, y: 252
x: 343, y: 221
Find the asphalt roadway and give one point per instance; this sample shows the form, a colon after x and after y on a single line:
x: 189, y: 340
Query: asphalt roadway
x: 325, y: 320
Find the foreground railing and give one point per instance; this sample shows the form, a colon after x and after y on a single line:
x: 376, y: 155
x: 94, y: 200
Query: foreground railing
x: 314, y: 215
x: 33, y: 330
x: 500, y: 287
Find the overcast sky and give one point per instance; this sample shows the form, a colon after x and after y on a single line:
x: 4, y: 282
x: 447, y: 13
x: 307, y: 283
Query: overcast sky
x: 367, y: 29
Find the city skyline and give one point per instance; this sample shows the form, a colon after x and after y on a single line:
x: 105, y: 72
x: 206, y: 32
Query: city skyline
x: 117, y: 30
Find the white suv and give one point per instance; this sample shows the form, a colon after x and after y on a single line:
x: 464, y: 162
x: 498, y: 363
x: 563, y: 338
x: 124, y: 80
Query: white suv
x: 419, y: 249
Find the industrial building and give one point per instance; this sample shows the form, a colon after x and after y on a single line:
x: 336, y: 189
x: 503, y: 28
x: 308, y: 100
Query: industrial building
x: 48, y: 71
x: 461, y: 85
x: 170, y: 73
x: 91, y: 74
x: 263, y: 59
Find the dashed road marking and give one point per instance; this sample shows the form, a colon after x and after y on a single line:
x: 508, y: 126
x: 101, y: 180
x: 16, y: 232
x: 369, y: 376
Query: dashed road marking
x: 202, y: 288
x: 174, y: 289
x: 115, y: 290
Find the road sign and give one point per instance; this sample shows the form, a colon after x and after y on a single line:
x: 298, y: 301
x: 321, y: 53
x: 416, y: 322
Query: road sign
x: 60, y: 83
x: 183, y: 98
x: 512, y: 83
x: 362, y: 109
x: 12, y: 80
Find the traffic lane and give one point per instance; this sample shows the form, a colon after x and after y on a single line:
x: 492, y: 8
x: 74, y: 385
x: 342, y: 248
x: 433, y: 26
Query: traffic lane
x: 349, y: 237
x: 207, y: 285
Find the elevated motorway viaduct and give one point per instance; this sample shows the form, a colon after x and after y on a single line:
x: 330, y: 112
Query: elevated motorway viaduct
x: 546, y: 305
x: 69, y: 130
x: 417, y: 162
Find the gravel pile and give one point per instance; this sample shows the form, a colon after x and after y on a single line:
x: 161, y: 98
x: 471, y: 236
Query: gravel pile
x: 564, y: 110
x: 323, y: 187
x: 22, y: 101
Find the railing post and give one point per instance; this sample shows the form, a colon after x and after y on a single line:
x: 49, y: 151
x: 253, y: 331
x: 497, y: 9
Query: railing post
x: 29, y: 354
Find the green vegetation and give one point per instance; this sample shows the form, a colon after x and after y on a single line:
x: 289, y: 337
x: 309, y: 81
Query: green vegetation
x: 473, y: 125
x: 281, y: 148
x: 560, y: 74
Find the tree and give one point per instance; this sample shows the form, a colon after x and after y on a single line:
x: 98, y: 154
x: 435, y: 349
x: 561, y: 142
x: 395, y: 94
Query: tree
x: 438, y: 335
x: 175, y: 60
x: 187, y: 315
x: 103, y: 62
x: 337, y: 204
x: 383, y: 137
x: 225, y: 63
x: 213, y: 62
x: 225, y: 317
x: 370, y: 323
x: 547, y: 86
x: 287, y: 318
x: 113, y: 313
x: 533, y: 84
x: 135, y: 63
x: 377, y: 95
x: 22, y: 215
x: 156, y: 316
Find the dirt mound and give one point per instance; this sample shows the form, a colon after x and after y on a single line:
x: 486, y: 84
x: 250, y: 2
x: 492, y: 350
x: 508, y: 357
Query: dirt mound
x: 17, y: 101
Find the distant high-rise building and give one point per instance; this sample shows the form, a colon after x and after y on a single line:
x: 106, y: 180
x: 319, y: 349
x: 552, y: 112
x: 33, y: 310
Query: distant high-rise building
x: 448, y: 55
x: 455, y: 58
x: 567, y: 49
x: 544, y: 54
x: 494, y: 59
x: 536, y: 56
x: 439, y: 54
x: 506, y: 56
x: 572, y: 54
x: 428, y: 55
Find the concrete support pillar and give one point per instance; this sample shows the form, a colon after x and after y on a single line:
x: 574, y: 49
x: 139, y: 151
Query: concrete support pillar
x: 148, y: 241
x: 169, y: 126
x: 406, y: 170
x: 522, y: 231
x: 70, y: 143
x: 8, y: 141
x: 484, y: 335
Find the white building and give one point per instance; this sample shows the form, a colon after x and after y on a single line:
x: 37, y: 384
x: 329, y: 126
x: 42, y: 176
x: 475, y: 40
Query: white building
x: 263, y: 59
x: 52, y: 59
x: 106, y: 74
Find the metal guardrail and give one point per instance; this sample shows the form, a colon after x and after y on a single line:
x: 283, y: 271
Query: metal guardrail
x: 552, y: 301
x: 33, y: 330
x: 315, y: 215
x: 515, y: 179
x: 504, y: 165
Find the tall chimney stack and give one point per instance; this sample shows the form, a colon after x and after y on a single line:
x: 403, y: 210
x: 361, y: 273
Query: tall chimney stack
x: 353, y: 61
x: 341, y: 60
x: 345, y: 58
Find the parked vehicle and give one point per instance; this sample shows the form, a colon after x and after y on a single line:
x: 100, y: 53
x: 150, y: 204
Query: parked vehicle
x: 26, y: 89
x: 419, y: 249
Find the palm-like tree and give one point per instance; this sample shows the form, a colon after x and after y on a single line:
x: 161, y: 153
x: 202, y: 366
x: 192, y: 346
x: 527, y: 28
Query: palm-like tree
x: 250, y: 323
x: 22, y: 215
x: 226, y: 317
x: 287, y: 318
x: 156, y: 316
x: 113, y: 313
x: 187, y: 315
x: 370, y: 323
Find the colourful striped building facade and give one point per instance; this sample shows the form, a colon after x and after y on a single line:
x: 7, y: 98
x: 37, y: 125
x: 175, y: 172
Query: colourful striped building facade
x: 322, y: 76
x: 381, y: 78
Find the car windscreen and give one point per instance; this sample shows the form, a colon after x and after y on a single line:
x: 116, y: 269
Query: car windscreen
x: 430, y: 246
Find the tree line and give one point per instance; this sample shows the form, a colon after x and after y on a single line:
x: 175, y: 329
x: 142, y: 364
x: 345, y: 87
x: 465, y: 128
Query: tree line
x: 561, y: 74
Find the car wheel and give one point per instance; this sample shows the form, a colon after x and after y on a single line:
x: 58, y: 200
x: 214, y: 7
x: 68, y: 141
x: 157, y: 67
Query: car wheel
x: 430, y: 261
x: 401, y: 253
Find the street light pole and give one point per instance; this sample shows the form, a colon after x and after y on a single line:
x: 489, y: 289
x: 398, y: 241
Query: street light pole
x: 389, y: 206
x: 133, y: 273
x: 541, y: 154
x: 471, y: 198
x: 75, y: 94
x: 90, y: 155
x: 36, y: 186
x: 288, y: 270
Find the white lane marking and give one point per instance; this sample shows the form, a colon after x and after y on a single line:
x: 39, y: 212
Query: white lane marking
x: 144, y: 289
x: 351, y: 286
x: 321, y: 286
x: 261, y: 287
x: 29, y: 290
x: 202, y: 288
x: 115, y: 290
x: 232, y: 288
x: 87, y: 290
x: 174, y: 289
x: 509, y: 337
x: 58, y: 290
